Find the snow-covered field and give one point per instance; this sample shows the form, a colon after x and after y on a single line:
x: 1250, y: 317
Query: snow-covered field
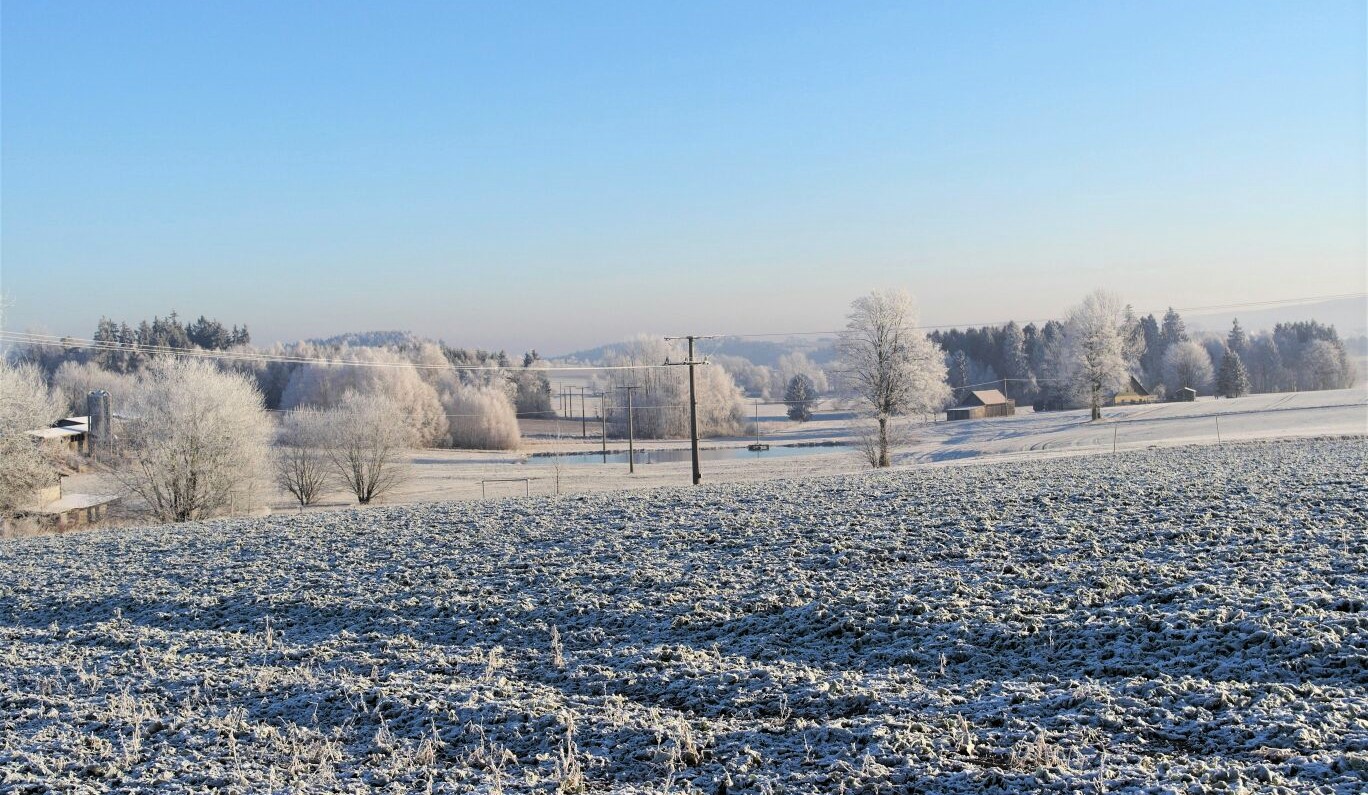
x: 1187, y: 619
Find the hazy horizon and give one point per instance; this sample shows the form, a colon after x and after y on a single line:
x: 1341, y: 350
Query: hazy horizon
x: 561, y: 178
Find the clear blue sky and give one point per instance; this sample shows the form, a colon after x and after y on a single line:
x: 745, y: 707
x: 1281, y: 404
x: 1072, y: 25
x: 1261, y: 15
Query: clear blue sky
x: 517, y: 175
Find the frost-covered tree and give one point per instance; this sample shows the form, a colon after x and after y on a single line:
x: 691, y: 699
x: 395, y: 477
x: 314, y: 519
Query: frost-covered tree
x: 753, y: 379
x: 1265, y: 365
x: 1322, y: 366
x: 800, y: 396
x: 376, y: 371
x: 1015, y: 366
x: 531, y: 388
x: 301, y: 464
x: 478, y: 417
x: 661, y: 407
x: 197, y: 441
x: 798, y: 363
x: 959, y: 370
x: 1233, y: 380
x: 888, y: 366
x: 25, y: 405
x: 1094, y: 349
x: 366, y: 442
x: 1237, y: 341
x: 74, y: 380
x: 1187, y: 364
x: 1054, y: 372
x: 1174, y: 330
x: 1152, y: 359
x: 1312, y: 366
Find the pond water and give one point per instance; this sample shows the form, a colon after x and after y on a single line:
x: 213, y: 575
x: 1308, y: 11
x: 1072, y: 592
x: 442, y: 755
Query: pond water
x: 674, y: 456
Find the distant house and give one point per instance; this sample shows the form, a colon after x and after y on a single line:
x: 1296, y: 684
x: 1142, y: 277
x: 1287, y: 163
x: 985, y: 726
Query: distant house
x: 982, y: 403
x: 1134, y: 392
x: 1185, y: 395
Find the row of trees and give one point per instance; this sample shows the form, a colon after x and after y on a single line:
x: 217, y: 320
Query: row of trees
x: 197, y: 441
x: 772, y: 382
x: 1031, y: 361
x: 892, y: 370
x: 449, y: 397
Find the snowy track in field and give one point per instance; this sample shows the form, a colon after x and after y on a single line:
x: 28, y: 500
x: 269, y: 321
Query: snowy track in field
x: 1189, y: 619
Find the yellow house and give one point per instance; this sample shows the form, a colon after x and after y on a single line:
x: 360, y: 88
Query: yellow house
x: 1134, y: 392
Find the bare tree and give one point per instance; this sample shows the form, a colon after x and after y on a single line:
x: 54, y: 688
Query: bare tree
x: 25, y: 405
x: 367, y: 437
x: 1095, y: 349
x: 197, y: 442
x: 301, y: 466
x: 888, y: 365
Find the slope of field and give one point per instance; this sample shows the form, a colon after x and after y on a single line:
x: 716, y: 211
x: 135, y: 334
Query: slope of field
x: 1173, y: 620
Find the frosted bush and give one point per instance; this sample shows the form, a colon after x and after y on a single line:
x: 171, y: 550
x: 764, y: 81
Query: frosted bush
x: 376, y: 371
x: 478, y: 417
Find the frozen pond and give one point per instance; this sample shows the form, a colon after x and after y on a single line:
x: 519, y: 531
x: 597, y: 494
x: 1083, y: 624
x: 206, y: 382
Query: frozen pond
x: 678, y: 455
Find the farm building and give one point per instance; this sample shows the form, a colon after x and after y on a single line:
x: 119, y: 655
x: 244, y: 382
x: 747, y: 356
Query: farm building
x: 982, y: 403
x: 1134, y: 392
x: 80, y: 434
x: 1185, y: 395
x: 53, y: 508
x: 69, y: 433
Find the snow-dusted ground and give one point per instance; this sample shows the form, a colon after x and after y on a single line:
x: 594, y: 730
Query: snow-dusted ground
x: 1186, y: 619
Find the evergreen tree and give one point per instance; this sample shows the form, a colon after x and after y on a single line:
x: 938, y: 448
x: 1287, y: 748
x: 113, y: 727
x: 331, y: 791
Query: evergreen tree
x: 1233, y: 379
x: 1132, y: 338
x: 208, y: 334
x: 1237, y: 340
x: 1015, y: 365
x: 1152, y: 360
x: 1266, y: 371
x: 959, y: 370
x: 799, y: 396
x: 531, y: 389
x: 1174, y: 330
x: 107, y: 333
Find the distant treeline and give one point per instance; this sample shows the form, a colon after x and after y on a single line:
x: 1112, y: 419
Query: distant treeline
x: 1304, y: 355
x: 445, y: 406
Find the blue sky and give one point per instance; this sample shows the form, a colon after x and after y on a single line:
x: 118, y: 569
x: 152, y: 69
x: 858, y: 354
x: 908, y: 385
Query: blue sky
x: 559, y: 175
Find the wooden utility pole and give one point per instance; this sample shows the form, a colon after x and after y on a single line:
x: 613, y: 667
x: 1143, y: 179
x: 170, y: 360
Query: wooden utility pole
x: 603, y: 427
x: 693, y: 403
x: 584, y: 416
x: 631, y: 448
